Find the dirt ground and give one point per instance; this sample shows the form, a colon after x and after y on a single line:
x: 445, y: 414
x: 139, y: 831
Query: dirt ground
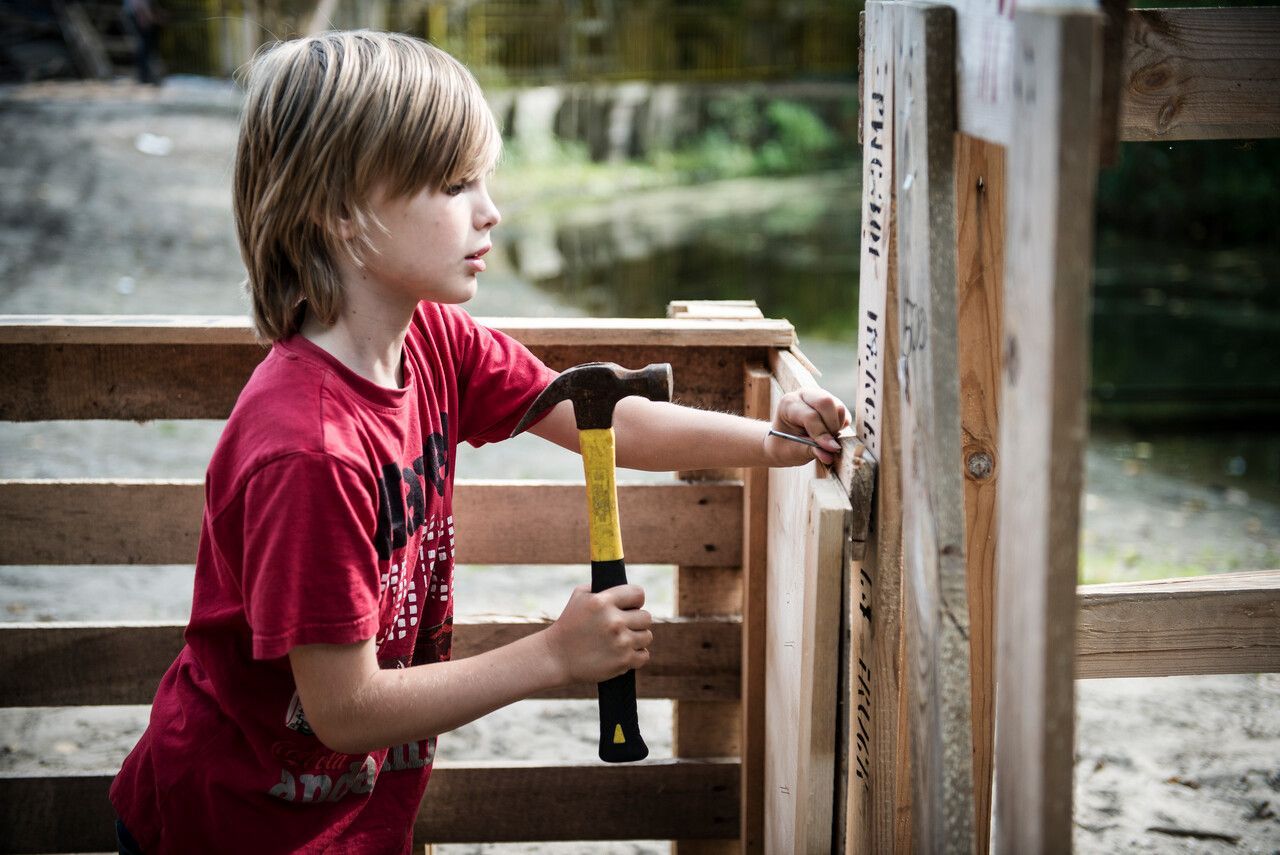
x: 115, y: 199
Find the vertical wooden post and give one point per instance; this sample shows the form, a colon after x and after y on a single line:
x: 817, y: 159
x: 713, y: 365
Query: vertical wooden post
x: 874, y: 681
x: 980, y: 192
x: 755, y: 528
x: 937, y: 621
x: 808, y: 547
x: 712, y: 728
x: 1052, y: 164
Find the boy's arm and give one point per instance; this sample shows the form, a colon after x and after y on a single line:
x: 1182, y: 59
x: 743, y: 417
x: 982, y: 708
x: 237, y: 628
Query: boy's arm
x: 355, y: 707
x: 666, y: 437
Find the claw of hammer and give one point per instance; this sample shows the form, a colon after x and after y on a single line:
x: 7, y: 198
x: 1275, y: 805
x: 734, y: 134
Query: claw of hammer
x: 595, y: 387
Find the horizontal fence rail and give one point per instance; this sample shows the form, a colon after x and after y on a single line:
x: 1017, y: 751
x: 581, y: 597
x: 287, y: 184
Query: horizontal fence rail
x: 1201, y: 74
x: 1224, y: 624
x: 141, y: 367
x: 158, y: 522
x: 46, y: 664
x: 660, y: 799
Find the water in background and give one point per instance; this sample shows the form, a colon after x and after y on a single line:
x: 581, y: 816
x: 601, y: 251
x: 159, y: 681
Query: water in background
x: 1184, y: 394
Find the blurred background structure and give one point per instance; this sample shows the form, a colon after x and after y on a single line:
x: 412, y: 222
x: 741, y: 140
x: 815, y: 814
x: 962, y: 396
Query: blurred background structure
x: 661, y: 150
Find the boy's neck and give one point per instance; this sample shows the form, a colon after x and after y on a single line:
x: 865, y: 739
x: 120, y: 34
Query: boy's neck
x: 368, y: 338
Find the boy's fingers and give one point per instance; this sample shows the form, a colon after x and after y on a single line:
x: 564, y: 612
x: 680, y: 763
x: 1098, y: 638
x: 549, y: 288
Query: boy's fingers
x: 638, y: 619
x: 625, y: 596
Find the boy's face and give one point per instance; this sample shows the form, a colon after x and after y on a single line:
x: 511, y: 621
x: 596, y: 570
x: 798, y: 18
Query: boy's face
x: 434, y: 243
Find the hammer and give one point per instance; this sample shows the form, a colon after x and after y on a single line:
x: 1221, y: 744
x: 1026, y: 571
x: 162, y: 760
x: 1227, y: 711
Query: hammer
x: 595, y: 388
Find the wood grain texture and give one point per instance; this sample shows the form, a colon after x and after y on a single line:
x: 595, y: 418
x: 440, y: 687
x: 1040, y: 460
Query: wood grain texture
x: 1052, y: 174
x: 707, y: 728
x: 1201, y: 74
x: 806, y: 555
x: 44, y: 664
x: 984, y: 63
x: 1183, y: 73
x: 158, y: 522
x: 874, y: 669
x: 466, y: 802
x: 934, y: 588
x: 1224, y: 624
x: 165, y: 380
x: 980, y: 193
x: 755, y: 543
x: 697, y: 332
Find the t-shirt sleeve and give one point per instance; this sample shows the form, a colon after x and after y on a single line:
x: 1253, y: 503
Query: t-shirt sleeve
x: 309, y: 566
x: 498, y: 378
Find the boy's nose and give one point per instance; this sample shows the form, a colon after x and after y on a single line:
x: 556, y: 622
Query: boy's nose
x: 487, y: 214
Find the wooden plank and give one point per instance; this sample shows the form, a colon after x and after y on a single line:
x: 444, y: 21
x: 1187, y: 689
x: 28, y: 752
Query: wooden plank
x: 1052, y: 174
x: 202, y: 381
x: 755, y: 541
x: 226, y: 329
x: 937, y: 622
x: 806, y: 555
x: 980, y: 192
x: 707, y: 728
x: 1224, y: 624
x: 1201, y: 74
x: 720, y: 310
x: 44, y: 664
x: 984, y: 63
x: 158, y: 522
x: 466, y: 802
x: 875, y: 628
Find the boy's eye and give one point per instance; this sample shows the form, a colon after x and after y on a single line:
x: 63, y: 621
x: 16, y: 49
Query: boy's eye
x: 455, y: 189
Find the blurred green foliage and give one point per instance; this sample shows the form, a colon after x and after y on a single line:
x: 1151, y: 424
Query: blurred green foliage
x: 1215, y: 193
x: 781, y: 138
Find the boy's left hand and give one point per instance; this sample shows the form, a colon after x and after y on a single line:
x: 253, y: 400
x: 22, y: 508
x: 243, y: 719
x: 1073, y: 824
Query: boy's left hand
x: 812, y: 413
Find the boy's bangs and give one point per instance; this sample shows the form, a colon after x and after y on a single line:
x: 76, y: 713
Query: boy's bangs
x: 453, y: 139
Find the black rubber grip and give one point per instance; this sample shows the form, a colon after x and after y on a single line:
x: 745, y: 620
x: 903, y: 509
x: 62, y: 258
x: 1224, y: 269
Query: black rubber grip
x: 620, y: 739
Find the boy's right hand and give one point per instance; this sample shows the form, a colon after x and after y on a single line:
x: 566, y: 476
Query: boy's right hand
x: 599, y: 636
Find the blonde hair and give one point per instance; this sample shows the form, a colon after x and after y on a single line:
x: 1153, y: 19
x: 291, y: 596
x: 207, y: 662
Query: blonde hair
x: 326, y: 120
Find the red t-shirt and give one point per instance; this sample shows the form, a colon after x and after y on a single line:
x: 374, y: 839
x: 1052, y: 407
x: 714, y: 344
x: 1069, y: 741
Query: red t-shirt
x: 327, y: 519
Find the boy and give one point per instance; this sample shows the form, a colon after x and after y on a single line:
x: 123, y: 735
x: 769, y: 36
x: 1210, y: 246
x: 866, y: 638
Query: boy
x: 302, y: 713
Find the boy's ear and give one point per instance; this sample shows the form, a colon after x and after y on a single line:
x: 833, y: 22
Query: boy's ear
x: 343, y: 226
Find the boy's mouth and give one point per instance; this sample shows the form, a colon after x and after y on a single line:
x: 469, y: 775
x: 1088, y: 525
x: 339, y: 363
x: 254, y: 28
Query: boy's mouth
x: 475, y: 262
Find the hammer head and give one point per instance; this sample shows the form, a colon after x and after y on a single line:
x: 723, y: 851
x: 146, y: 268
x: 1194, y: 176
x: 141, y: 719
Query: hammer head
x: 595, y: 387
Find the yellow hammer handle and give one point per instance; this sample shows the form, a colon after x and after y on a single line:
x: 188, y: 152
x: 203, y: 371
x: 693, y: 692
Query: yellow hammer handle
x: 602, y: 494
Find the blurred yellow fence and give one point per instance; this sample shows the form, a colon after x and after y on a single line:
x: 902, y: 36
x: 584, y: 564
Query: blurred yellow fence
x: 530, y: 42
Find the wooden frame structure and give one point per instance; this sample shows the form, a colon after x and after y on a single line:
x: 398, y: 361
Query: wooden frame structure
x: 717, y: 666
x: 973, y: 352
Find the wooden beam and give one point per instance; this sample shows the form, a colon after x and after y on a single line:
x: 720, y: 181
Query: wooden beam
x: 1052, y: 174
x: 155, y: 367
x: 466, y: 803
x: 1184, y: 73
x: 202, y: 381
x: 806, y: 557
x: 755, y: 545
x: 45, y: 664
x: 874, y: 676
x: 937, y: 613
x: 531, y: 332
x: 158, y: 522
x: 980, y: 193
x: 984, y: 63
x: 1224, y: 624
x: 1201, y: 74
x: 707, y: 728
